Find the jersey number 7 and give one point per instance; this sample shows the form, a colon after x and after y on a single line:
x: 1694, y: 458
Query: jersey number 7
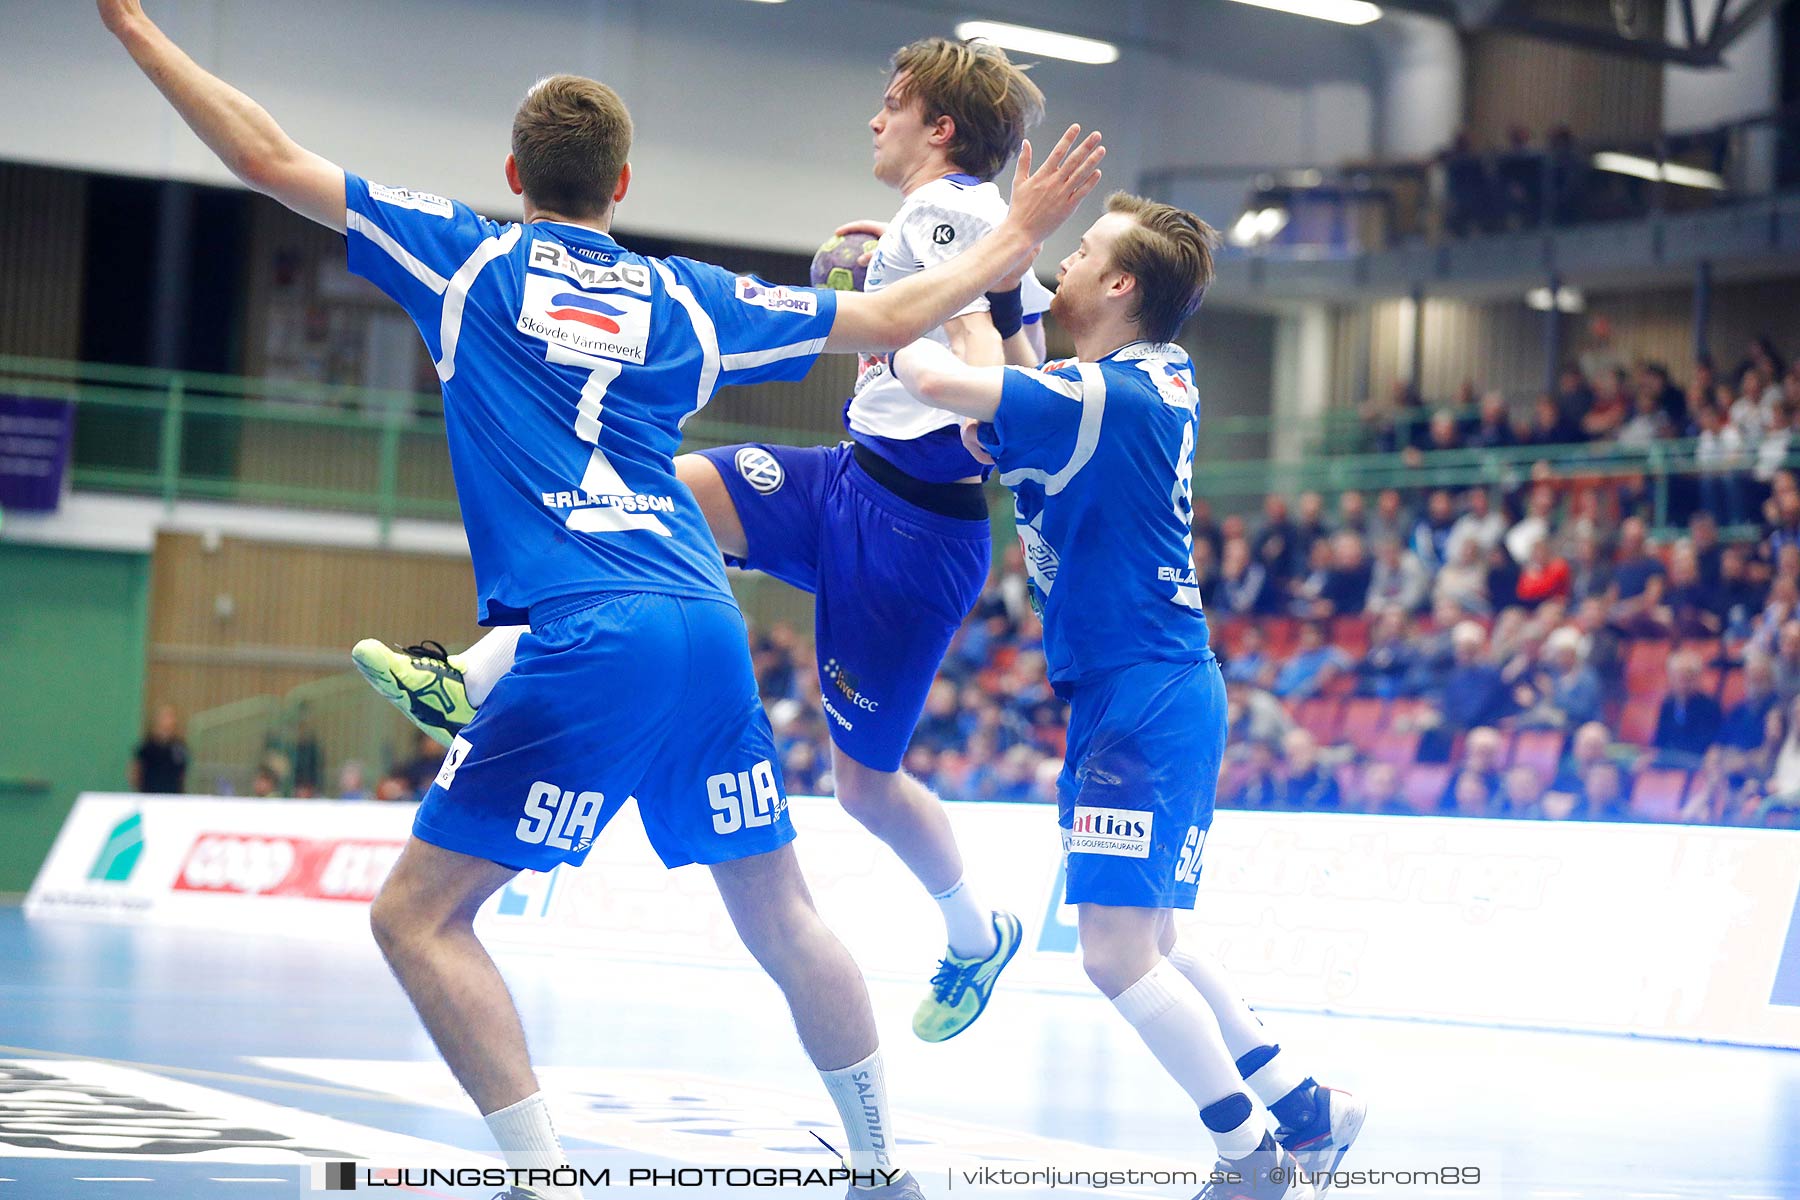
x: 601, y: 480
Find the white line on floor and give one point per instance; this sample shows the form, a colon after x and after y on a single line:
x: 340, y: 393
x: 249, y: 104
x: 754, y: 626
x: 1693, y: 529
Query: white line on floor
x: 114, y: 1179
x: 249, y: 1179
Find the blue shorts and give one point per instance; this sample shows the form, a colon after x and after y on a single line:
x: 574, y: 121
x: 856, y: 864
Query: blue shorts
x: 613, y: 696
x: 1137, y: 788
x: 892, y: 582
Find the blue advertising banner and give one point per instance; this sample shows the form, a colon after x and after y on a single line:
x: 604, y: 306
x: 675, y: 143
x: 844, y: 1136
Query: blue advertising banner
x: 34, y: 451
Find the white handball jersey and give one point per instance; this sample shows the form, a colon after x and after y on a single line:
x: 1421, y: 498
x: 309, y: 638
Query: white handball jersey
x: 936, y: 223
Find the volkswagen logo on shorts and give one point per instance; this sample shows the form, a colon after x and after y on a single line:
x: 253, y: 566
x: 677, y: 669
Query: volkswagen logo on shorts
x: 760, y: 470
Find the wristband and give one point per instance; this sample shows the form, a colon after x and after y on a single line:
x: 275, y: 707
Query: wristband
x: 1007, y: 310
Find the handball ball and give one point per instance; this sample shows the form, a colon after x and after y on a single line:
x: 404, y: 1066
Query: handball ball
x: 838, y: 263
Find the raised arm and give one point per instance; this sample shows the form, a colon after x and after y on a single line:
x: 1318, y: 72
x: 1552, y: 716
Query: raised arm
x: 1041, y: 201
x: 233, y: 126
x: 937, y: 377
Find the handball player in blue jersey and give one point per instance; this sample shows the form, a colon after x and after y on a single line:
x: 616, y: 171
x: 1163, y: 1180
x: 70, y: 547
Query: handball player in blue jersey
x: 1099, y: 454
x: 888, y: 531
x: 568, y: 365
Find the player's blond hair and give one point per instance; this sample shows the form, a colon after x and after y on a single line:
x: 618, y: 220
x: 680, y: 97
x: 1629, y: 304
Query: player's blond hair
x: 570, y: 138
x: 1169, y: 251
x: 986, y: 94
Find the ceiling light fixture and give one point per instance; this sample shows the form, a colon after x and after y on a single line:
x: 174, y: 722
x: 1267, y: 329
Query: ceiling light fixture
x: 1029, y: 40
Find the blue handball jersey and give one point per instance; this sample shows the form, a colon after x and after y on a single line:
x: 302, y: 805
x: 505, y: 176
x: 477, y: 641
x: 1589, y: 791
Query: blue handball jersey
x: 569, y: 365
x: 1100, y: 460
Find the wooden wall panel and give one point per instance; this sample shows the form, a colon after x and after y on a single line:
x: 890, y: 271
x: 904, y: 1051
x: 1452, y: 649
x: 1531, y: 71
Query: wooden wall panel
x: 1514, y: 80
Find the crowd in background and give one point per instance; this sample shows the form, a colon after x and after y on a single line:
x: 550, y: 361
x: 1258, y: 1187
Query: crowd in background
x: 1527, y: 649
x: 1477, y: 618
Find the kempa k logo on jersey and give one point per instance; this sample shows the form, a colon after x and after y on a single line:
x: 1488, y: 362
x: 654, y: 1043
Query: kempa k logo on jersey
x: 1120, y: 832
x: 608, y: 324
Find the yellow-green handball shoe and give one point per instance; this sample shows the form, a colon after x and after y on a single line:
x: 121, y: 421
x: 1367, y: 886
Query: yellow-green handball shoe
x: 421, y: 681
x: 961, y: 987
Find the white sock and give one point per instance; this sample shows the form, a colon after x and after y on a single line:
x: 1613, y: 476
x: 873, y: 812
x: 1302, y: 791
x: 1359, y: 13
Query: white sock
x: 487, y: 660
x: 529, y: 1142
x: 970, y: 926
x: 1181, y: 1032
x: 1272, y: 1076
x: 860, y: 1093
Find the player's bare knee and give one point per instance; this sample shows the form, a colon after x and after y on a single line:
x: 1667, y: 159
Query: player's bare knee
x: 703, y: 479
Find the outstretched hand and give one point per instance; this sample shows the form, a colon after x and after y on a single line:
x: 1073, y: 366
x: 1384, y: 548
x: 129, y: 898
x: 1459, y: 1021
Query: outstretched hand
x: 1043, y: 199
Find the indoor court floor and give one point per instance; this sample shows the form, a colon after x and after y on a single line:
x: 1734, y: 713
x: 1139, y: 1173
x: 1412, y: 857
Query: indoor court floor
x: 166, y: 1064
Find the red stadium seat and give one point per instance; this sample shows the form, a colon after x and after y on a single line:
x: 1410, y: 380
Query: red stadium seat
x: 1401, y: 749
x: 1637, y: 723
x: 1318, y: 715
x: 1647, y: 667
x: 1280, y: 636
x: 1362, y: 719
x: 1538, y: 748
x: 1351, y: 635
x: 1732, y: 693
x: 1424, y: 786
x: 1658, y: 793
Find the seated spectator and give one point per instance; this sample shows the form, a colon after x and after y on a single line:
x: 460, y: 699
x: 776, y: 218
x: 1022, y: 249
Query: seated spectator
x: 940, y: 726
x: 1305, y: 590
x: 1545, y: 576
x: 1609, y: 409
x: 1480, y: 760
x: 1353, y: 514
x: 1255, y: 715
x: 1637, y: 585
x: 1307, y: 784
x: 1256, y: 785
x: 1242, y: 589
x: 1387, y: 666
x: 1688, y: 721
x: 1687, y: 606
x: 1502, y: 580
x: 1602, y: 795
x: 393, y: 788
x: 1534, y: 526
x: 1744, y: 730
x: 1493, y: 428
x: 1522, y: 792
x: 1469, y: 795
x: 1736, y: 595
x: 1549, y: 426
x: 1480, y: 523
x: 1780, y: 786
x: 1434, y: 655
x: 1250, y: 662
x: 1206, y: 529
x: 1591, y: 744
x: 1398, y: 581
x: 1443, y: 433
x: 1316, y: 662
x: 351, y: 784
x: 1378, y: 791
x: 1431, y: 535
x: 1474, y: 695
x: 1463, y: 581
x: 1557, y: 806
x: 1309, y: 526
x: 1648, y: 423
x: 1590, y: 575
x: 1562, y: 692
x: 160, y: 762
x: 264, y: 783
x: 1346, y: 586
x: 1714, y: 794
x: 1389, y: 520
x: 802, y: 768
x: 1719, y: 455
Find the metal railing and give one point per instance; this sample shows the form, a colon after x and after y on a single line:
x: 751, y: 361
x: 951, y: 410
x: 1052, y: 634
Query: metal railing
x: 178, y: 435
